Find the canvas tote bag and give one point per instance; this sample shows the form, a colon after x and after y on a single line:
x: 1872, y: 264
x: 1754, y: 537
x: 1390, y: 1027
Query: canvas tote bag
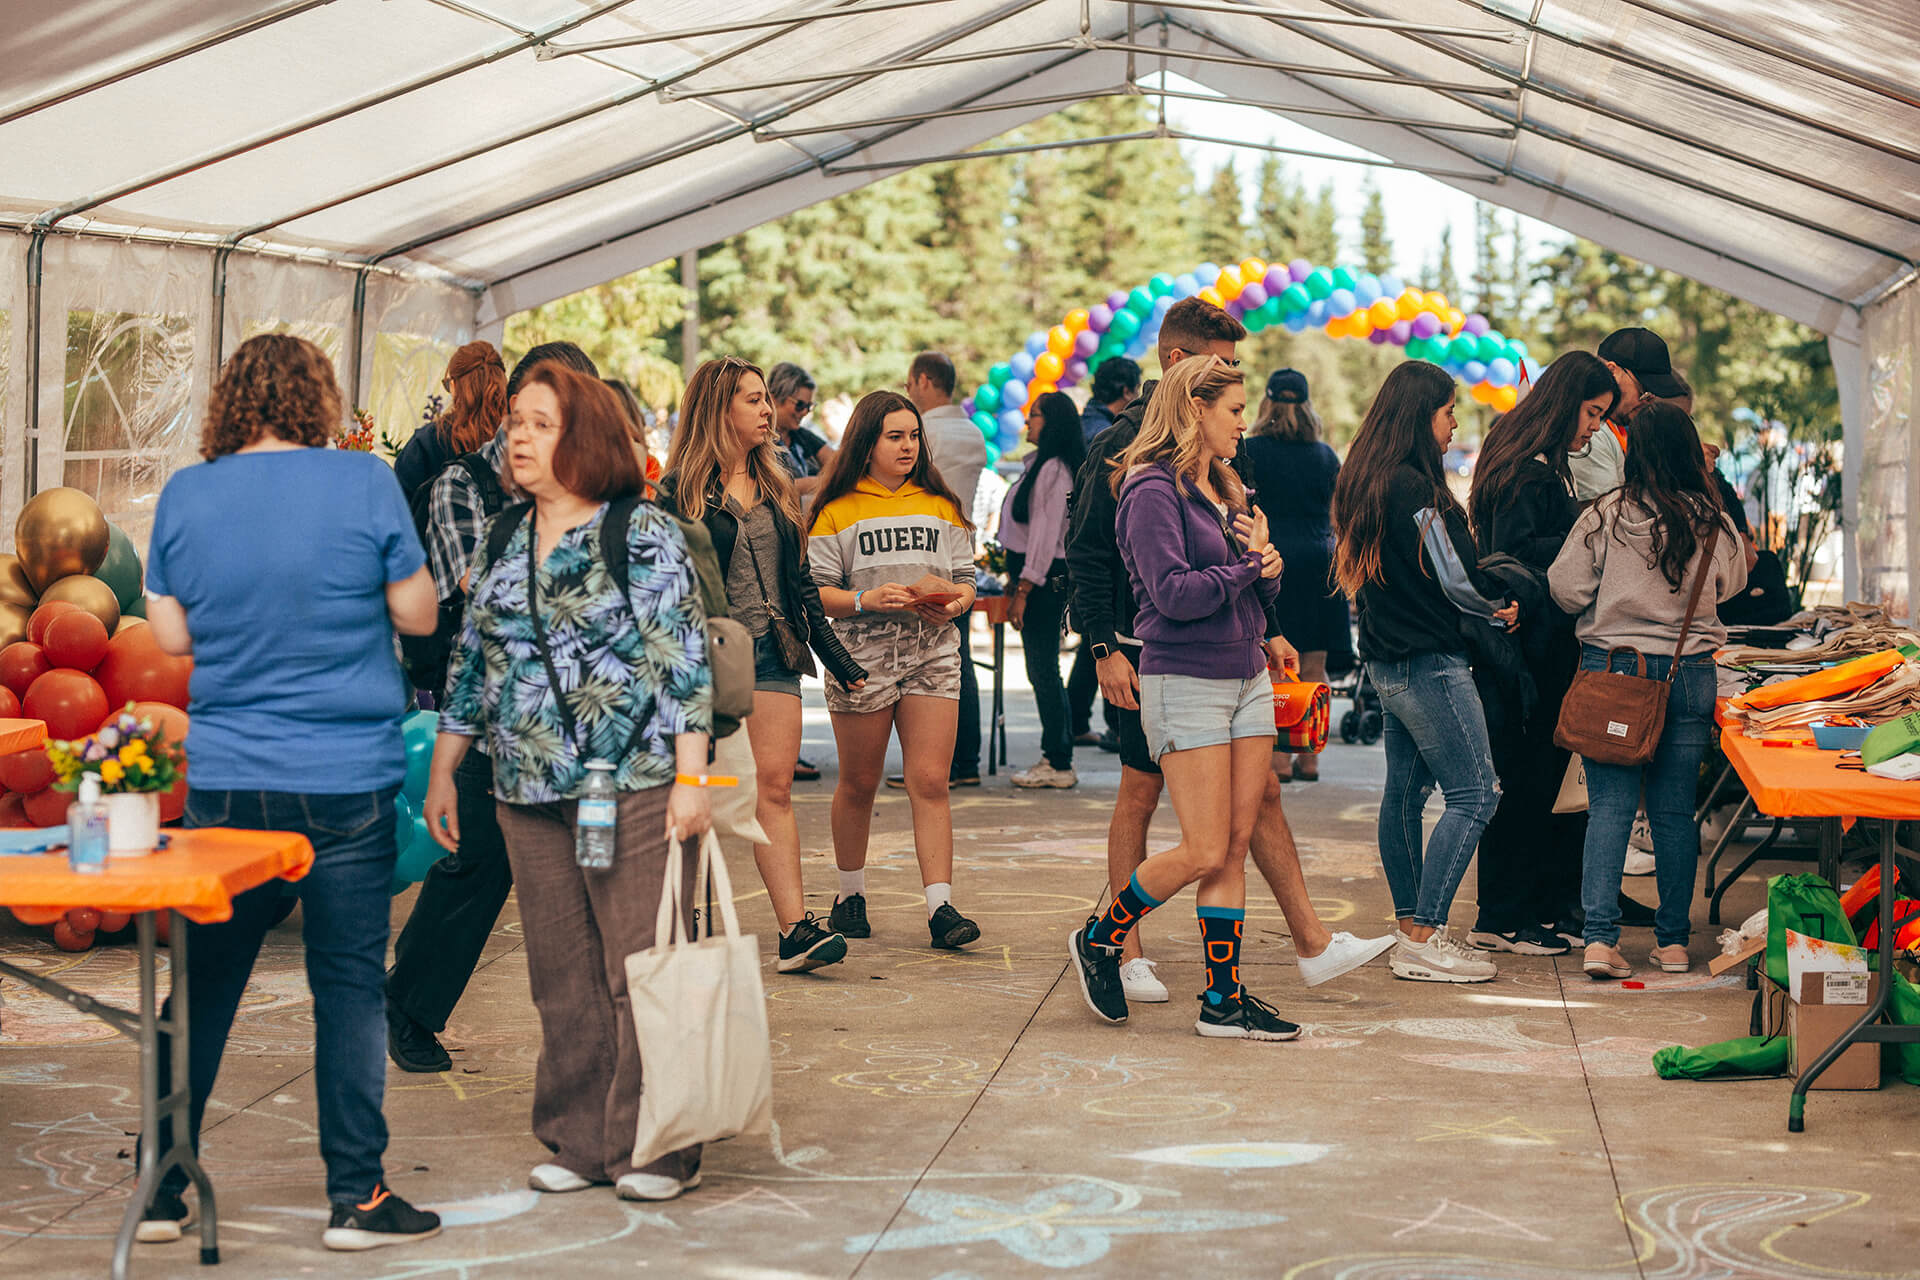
x: 1615, y: 718
x: 700, y: 1013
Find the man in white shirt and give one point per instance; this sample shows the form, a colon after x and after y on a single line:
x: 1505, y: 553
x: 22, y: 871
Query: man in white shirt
x: 960, y: 452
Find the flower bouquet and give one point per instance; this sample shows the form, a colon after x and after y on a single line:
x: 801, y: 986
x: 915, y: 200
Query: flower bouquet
x: 136, y: 764
x: 358, y: 437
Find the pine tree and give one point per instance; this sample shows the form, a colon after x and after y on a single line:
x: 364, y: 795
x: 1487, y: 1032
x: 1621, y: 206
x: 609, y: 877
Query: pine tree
x: 1486, y: 262
x: 1376, y: 250
x: 1443, y: 276
x: 1220, y: 233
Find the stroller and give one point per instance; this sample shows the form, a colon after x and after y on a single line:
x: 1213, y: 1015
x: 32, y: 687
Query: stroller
x: 1347, y: 677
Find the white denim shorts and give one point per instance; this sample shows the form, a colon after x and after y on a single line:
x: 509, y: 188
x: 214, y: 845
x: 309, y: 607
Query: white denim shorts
x: 1183, y: 713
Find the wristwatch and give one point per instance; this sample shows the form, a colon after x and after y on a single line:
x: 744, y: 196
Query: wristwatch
x: 1101, y: 651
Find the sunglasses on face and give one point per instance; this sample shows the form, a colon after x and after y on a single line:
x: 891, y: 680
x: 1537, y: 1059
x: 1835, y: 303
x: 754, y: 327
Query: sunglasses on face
x: 804, y: 406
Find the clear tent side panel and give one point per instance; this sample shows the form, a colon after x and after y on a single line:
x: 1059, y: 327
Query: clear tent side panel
x: 1888, y: 473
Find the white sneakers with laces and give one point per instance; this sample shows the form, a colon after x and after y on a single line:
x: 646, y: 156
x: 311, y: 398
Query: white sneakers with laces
x: 1438, y: 959
x: 1344, y: 954
x: 1045, y: 775
x: 1137, y: 980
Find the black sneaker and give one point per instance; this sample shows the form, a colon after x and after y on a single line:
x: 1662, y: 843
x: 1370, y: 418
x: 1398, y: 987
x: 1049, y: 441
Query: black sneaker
x: 412, y: 1047
x: 849, y: 917
x: 805, y: 770
x: 1099, y: 970
x: 1528, y: 940
x: 383, y: 1220
x: 165, y: 1219
x: 808, y: 946
x: 951, y: 930
x: 964, y: 778
x: 1248, y: 1018
x: 1110, y: 743
x: 1635, y: 914
x: 1572, y: 931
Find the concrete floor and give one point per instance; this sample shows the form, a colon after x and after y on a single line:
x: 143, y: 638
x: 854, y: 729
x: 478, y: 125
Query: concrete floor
x: 943, y: 1117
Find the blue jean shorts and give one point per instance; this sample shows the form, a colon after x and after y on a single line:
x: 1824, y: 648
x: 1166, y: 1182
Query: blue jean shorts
x: 1183, y: 713
x: 770, y: 674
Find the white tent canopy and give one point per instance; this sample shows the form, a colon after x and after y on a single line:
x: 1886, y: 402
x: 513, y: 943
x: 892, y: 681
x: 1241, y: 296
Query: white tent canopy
x: 392, y: 176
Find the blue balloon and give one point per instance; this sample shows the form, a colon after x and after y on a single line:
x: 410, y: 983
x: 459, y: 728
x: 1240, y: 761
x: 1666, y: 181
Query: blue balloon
x: 1296, y: 322
x: 1137, y: 348
x: 1317, y: 312
x: 1014, y: 395
x: 417, y: 731
x: 1036, y: 343
x: 1501, y: 373
x: 1341, y: 302
x: 1185, y: 285
x: 1012, y: 421
x: 1473, y: 371
x: 1206, y: 273
x: 1518, y: 348
x: 1390, y: 286
x: 1366, y: 290
x: 1022, y: 365
x: 1161, y: 303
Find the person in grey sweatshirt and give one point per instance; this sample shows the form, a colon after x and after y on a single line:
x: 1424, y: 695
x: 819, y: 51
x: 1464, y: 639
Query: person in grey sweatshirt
x: 1628, y: 569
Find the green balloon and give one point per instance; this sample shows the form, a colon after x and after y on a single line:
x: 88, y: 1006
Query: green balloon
x: 1140, y: 301
x: 138, y: 609
x: 1295, y: 298
x: 1342, y: 278
x: 1463, y: 348
x: 1489, y: 347
x: 999, y: 373
x: 988, y: 425
x: 1126, y: 324
x: 1319, y: 283
x: 1161, y: 285
x: 1255, y: 320
x: 121, y: 569
x: 987, y: 396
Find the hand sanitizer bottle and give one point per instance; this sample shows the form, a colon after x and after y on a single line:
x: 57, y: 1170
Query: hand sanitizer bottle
x: 87, y: 828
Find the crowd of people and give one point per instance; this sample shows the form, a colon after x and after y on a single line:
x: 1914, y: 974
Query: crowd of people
x: 555, y: 588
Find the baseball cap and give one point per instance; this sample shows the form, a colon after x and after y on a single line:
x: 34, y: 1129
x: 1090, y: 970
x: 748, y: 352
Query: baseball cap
x: 1287, y: 386
x: 1642, y: 353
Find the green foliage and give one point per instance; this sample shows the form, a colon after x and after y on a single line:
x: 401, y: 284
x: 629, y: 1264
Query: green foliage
x: 1376, y: 251
x: 629, y: 326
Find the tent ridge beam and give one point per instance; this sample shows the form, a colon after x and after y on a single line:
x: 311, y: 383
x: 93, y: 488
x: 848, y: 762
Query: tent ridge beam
x: 1502, y: 35
x: 547, y: 50
x: 860, y: 75
x: 1308, y: 69
x: 918, y: 117
x: 54, y: 216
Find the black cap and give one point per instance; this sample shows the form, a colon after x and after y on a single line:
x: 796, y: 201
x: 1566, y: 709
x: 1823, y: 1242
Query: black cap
x: 1287, y: 386
x: 1642, y: 353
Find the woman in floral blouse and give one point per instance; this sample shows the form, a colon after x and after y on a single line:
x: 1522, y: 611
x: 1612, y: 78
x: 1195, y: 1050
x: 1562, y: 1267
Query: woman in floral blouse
x: 624, y: 678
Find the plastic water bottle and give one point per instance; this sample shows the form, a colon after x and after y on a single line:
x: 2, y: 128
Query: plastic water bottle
x: 87, y: 829
x: 593, y: 823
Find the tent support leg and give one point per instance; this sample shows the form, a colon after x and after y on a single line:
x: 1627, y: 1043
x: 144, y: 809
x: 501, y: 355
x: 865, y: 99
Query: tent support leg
x: 356, y: 331
x: 36, y: 261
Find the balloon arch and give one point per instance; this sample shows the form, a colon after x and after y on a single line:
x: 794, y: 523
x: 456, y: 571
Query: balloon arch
x: 1296, y: 295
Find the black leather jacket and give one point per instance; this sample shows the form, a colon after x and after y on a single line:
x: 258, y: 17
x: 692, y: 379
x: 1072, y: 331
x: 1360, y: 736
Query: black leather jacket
x: 799, y: 597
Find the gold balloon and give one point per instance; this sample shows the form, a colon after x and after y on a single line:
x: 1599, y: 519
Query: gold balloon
x: 13, y: 623
x: 60, y: 533
x: 15, y: 586
x: 128, y: 624
x: 91, y: 594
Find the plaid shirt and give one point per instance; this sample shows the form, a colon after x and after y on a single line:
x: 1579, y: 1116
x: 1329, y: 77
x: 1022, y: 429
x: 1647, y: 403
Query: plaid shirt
x: 456, y: 519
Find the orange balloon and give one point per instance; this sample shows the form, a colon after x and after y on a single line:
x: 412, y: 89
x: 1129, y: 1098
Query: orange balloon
x: 1229, y: 285
x: 1037, y: 388
x: 1047, y: 367
x: 1059, y: 341
x: 1076, y: 320
x: 1337, y: 327
x: 38, y: 916
x: 1382, y: 314
x: 1409, y: 304
x: 43, y: 618
x: 1252, y: 269
x: 1504, y: 398
x: 1456, y: 320
x: 26, y: 771
x: 1482, y: 391
x: 67, y: 938
x: 170, y: 720
x: 137, y: 670
x: 1212, y: 295
x: 71, y: 702
x: 47, y: 808
x: 9, y: 704
x: 13, y: 812
x: 76, y: 639
x: 1438, y: 304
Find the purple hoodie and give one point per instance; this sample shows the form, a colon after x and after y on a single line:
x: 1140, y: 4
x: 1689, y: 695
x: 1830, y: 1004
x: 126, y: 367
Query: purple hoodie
x: 1202, y: 607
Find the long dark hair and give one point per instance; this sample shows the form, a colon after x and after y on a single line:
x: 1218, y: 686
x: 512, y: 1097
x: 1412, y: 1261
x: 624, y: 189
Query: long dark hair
x: 1397, y: 432
x: 1667, y: 477
x: 849, y: 466
x: 1542, y: 425
x: 1060, y: 438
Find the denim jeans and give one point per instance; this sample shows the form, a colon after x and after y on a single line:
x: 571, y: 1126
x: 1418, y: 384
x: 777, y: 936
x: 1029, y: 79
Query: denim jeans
x: 1669, y: 781
x: 1436, y: 731
x: 345, y: 900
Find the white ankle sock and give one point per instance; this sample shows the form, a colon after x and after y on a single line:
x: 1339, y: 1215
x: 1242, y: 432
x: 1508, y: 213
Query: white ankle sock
x: 852, y: 882
x: 938, y: 896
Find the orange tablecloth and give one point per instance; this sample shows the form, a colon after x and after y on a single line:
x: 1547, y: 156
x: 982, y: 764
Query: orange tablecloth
x: 198, y: 874
x: 21, y: 735
x: 993, y: 608
x: 1805, y: 782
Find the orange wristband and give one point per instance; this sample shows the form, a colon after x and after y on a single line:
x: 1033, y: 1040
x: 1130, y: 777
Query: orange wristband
x: 705, y: 780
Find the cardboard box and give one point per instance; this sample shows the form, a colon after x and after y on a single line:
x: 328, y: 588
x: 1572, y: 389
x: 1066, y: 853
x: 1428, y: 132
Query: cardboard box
x: 1828, y: 1004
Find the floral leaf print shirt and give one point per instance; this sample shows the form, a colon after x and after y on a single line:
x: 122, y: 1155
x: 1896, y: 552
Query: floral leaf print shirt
x: 639, y: 661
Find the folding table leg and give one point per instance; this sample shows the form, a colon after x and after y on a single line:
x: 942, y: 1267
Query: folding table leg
x: 1797, y: 1101
x: 149, y: 1146
x: 1740, y: 816
x: 1713, y: 793
x: 999, y: 754
x: 179, y: 1102
x: 1717, y: 892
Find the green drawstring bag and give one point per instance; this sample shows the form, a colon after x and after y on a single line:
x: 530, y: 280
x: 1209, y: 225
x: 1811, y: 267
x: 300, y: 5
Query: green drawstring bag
x: 1904, y: 1007
x: 1746, y: 1056
x: 1807, y: 905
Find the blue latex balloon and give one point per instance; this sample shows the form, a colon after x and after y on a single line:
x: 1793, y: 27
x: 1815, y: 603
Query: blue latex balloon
x: 1501, y: 373
x: 1022, y: 365
x: 402, y: 822
x: 1390, y: 286
x: 1296, y: 322
x: 1206, y: 273
x: 417, y: 731
x: 1012, y: 421
x: 1185, y: 285
x: 1160, y: 305
x: 1014, y: 396
x: 1341, y: 302
x: 1473, y: 371
x: 1036, y: 343
x: 1366, y: 290
x: 1317, y: 312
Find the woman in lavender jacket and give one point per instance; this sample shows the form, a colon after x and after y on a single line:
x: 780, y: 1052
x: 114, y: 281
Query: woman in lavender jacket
x: 1203, y: 572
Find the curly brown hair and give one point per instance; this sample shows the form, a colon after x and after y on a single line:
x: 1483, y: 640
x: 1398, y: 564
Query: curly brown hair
x: 274, y: 385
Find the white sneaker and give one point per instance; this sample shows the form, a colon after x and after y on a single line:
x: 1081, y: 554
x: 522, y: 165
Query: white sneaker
x: 1343, y: 955
x: 652, y: 1186
x: 556, y: 1178
x: 1137, y: 980
x: 1045, y: 775
x: 1639, y: 863
x: 1438, y: 959
x: 1641, y: 837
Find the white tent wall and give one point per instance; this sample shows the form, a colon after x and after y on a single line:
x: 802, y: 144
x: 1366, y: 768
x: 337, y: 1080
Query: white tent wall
x: 1888, y: 471
x: 13, y: 381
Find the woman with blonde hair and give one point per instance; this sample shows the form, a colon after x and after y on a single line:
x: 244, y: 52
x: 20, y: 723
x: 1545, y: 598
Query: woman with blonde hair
x: 1204, y: 572
x: 476, y: 386
x: 724, y: 471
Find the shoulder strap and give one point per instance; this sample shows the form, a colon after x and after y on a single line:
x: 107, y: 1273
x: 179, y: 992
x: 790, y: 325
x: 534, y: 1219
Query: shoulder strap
x: 613, y: 538
x: 1693, y: 597
x: 485, y: 479
x: 501, y: 531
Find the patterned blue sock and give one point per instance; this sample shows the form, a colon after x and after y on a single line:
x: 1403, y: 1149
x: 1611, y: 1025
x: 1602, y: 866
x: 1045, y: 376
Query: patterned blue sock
x: 1132, y: 902
x: 1220, y: 929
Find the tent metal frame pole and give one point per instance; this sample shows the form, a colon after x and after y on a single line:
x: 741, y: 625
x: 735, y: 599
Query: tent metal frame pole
x: 323, y: 258
x: 1499, y: 34
x: 861, y: 75
x: 357, y: 331
x: 549, y: 51
x: 920, y: 117
x: 1520, y: 98
x: 36, y: 267
x: 54, y: 216
x: 244, y: 27
x: 1337, y: 113
x: 220, y: 257
x: 1303, y: 69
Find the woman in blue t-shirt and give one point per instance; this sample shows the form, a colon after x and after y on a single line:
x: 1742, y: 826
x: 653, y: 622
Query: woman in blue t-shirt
x: 284, y: 567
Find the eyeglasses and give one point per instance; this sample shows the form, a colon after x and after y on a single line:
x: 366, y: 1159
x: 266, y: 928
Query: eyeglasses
x: 804, y: 406
x: 1232, y: 362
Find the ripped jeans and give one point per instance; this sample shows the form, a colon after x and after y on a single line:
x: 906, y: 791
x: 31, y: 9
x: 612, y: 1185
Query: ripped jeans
x: 1436, y: 731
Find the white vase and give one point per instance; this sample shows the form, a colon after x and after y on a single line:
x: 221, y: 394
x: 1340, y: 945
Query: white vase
x: 133, y: 823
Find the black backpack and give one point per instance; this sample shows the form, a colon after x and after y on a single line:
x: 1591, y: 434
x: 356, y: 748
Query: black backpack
x: 425, y: 658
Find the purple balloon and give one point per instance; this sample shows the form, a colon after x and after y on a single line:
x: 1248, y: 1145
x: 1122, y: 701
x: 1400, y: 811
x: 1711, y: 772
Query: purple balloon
x: 1378, y: 337
x: 1253, y: 295
x: 1099, y: 317
x: 1276, y: 279
x: 966, y: 406
x: 1085, y: 343
x: 1117, y: 300
x: 1236, y: 308
x: 1477, y: 324
x: 1299, y: 269
x: 1425, y: 325
x: 1076, y: 368
x: 1400, y: 331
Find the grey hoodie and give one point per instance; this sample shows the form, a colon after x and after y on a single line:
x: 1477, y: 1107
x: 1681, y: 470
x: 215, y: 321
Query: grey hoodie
x: 1619, y: 592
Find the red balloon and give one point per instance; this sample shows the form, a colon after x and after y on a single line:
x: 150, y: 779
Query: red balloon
x: 21, y: 664
x: 114, y: 921
x: 170, y: 720
x: 43, y: 618
x: 163, y: 926
x: 39, y: 916
x: 77, y: 640
x: 13, y: 812
x: 26, y: 771
x: 83, y: 919
x: 9, y: 704
x: 47, y: 808
x: 71, y: 702
x: 137, y: 670
x: 67, y: 938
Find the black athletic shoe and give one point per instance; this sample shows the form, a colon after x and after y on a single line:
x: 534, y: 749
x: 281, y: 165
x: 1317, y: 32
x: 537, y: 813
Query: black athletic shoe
x: 412, y: 1047
x: 964, y: 778
x: 1528, y: 940
x: 1248, y: 1018
x: 849, y: 917
x: 808, y: 946
x: 1099, y: 971
x: 1635, y: 914
x: 382, y: 1220
x: 950, y: 929
x: 166, y: 1217
x: 805, y: 771
x: 1110, y: 743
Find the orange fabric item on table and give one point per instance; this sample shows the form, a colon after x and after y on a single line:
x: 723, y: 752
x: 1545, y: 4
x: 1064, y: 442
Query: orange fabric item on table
x: 1819, y: 685
x: 198, y: 874
x: 994, y: 608
x: 1795, y: 781
x: 21, y: 735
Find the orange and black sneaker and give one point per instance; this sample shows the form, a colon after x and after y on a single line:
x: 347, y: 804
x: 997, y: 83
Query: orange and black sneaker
x: 382, y: 1219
